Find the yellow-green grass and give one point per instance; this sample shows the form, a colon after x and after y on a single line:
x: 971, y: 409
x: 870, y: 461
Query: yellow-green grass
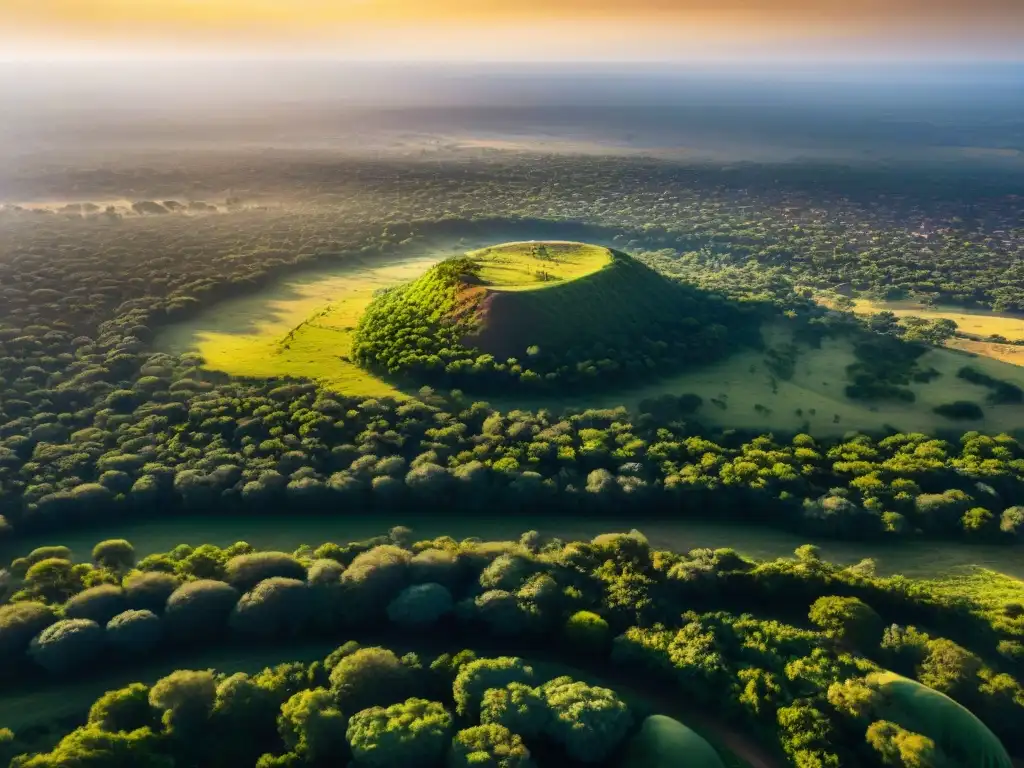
x: 818, y: 383
x: 977, y: 322
x: 537, y: 264
x: 954, y: 728
x: 666, y: 743
x: 300, y: 327
x: 1004, y: 353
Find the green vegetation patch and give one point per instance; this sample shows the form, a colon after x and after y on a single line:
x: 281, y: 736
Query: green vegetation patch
x: 555, y: 315
x: 953, y: 727
x: 666, y: 743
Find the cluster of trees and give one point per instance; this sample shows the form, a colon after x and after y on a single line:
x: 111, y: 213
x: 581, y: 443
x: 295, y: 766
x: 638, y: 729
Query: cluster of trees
x: 796, y: 649
x: 624, y: 323
x: 174, y: 441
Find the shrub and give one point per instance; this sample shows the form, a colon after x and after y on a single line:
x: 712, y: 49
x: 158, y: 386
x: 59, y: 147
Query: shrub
x: 115, y: 554
x: 275, y: 606
x: 488, y: 746
x: 506, y: 572
x: 420, y: 605
x: 373, y: 579
x: 415, y: 732
x: 19, y: 623
x: 66, y: 645
x: 440, y: 566
x: 185, y: 699
x: 518, y: 707
x: 589, y: 721
x: 100, y: 604
x: 371, y: 677
x: 848, y: 619
x: 478, y: 676
x: 587, y: 631
x: 199, y: 608
x: 244, y: 572
x: 123, y: 709
x: 313, y: 727
x: 149, y: 590
x: 134, y: 632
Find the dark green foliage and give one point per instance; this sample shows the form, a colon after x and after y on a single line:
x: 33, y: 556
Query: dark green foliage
x: 185, y: 701
x: 275, y: 606
x: 199, y: 609
x: 312, y: 726
x: 90, y: 747
x: 414, y: 732
x: 488, y: 746
x: 590, y: 722
x: 961, y: 410
x: 371, y: 677
x: 116, y: 554
x: 124, y: 709
x: 476, y: 677
x: 518, y: 707
x: 19, y: 623
x: 100, y: 604
x: 587, y: 631
x: 67, y: 646
x: 149, y: 590
x: 245, y: 571
x: 1001, y: 391
x: 135, y: 631
x: 847, y: 619
x: 666, y: 743
x: 420, y: 605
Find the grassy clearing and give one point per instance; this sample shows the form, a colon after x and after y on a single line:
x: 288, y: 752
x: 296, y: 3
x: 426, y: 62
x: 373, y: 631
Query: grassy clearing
x: 977, y: 322
x: 1004, y: 353
x: 537, y: 264
x: 300, y: 327
x: 813, y: 399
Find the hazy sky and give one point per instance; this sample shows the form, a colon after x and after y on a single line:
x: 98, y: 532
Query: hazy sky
x: 516, y: 29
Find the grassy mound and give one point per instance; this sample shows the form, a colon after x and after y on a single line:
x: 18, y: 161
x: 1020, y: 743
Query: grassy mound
x: 666, y: 743
x: 545, y: 313
x: 953, y: 727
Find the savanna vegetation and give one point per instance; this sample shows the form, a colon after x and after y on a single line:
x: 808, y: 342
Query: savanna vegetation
x: 821, y: 665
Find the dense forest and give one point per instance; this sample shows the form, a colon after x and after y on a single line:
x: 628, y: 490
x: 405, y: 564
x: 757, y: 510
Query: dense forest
x: 828, y: 666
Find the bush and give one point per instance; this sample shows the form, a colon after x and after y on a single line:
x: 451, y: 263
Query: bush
x: 313, y: 727
x: 420, y: 605
x: 244, y: 572
x: 847, y: 619
x: 275, y: 606
x: 19, y: 623
x: 374, y: 578
x: 149, y: 590
x: 115, y: 554
x: 478, y: 676
x: 67, y: 645
x: 123, y: 709
x: 518, y: 707
x: 488, y: 746
x: 415, y: 732
x: 185, y: 699
x: 371, y: 677
x: 435, y: 565
x: 100, y: 604
x: 134, y: 632
x: 587, y: 631
x: 199, y: 608
x: 589, y: 721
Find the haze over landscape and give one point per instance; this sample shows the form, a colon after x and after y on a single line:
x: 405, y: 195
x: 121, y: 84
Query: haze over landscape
x: 451, y: 384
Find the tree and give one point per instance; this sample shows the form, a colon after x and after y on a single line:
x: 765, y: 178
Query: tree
x: 476, y: 677
x: 54, y: 579
x: 847, y: 619
x: 414, y: 732
x: 901, y: 748
x: 371, y: 677
x: 587, y: 720
x: 950, y: 668
x: 199, y: 609
x: 134, y: 632
x: 488, y: 746
x: 90, y: 747
x: 149, y: 590
x: 518, y: 707
x: 312, y: 726
x: 185, y: 700
x: 100, y: 604
x: 420, y: 605
x: 373, y: 580
x: 275, y: 606
x: 115, y: 554
x: 124, y: 709
x: 67, y: 645
x: 1012, y: 521
x: 244, y: 572
x: 19, y: 623
x: 588, y: 631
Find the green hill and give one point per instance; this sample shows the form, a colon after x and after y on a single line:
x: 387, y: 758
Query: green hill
x: 666, y: 743
x: 545, y: 314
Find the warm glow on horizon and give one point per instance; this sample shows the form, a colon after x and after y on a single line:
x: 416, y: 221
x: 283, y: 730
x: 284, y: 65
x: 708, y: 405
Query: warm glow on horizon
x: 528, y: 29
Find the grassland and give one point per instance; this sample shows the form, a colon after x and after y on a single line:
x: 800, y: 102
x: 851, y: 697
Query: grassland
x: 537, y: 264
x: 976, y: 322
